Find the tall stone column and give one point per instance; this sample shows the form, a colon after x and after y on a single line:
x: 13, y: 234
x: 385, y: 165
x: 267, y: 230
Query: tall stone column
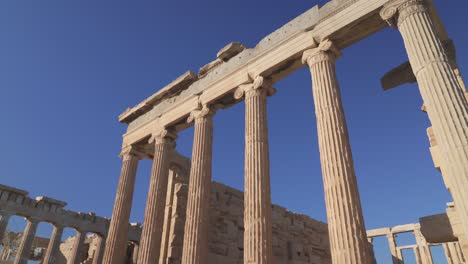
x: 400, y: 254
x: 348, y: 239
x: 4, y: 218
x: 166, y: 236
x: 54, y: 245
x: 424, y: 249
x: 453, y: 253
x: 257, y: 201
x: 393, y: 249
x: 195, y: 249
x: 99, y: 253
x: 417, y: 255
x: 116, y: 241
x: 75, y: 257
x: 456, y: 249
x: 154, y: 213
x: 449, y: 255
x: 440, y: 89
x: 22, y: 254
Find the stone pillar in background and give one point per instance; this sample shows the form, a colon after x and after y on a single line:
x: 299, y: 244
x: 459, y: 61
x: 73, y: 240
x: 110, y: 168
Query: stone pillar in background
x: 116, y: 241
x: 417, y: 255
x: 75, y: 257
x: 166, y: 238
x: 99, y: 253
x: 258, y: 247
x: 150, y: 243
x: 54, y: 245
x: 22, y: 254
x: 453, y: 253
x: 393, y: 249
x: 448, y: 255
x: 348, y: 239
x: 135, y: 253
x: 400, y: 254
x: 424, y: 249
x: 456, y: 249
x: 441, y: 91
x: 370, y: 244
x: 4, y: 218
x: 176, y: 231
x: 195, y: 249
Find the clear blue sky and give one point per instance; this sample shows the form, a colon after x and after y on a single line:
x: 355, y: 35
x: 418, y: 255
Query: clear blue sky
x: 69, y: 68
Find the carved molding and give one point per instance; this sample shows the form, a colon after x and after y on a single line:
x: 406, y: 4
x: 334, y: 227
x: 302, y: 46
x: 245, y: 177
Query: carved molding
x: 259, y: 84
x: 326, y: 51
x: 162, y: 136
x: 395, y: 12
x: 201, y: 112
x: 131, y: 151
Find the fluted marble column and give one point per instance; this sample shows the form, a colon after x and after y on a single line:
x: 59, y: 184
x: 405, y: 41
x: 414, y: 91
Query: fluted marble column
x: 99, y: 253
x: 195, y: 248
x: 54, y: 245
x: 455, y: 252
x: 257, y: 200
x: 154, y: 213
x: 116, y: 241
x: 448, y: 255
x: 347, y: 232
x: 456, y: 249
x: 75, y: 257
x: 4, y: 218
x: 440, y: 89
x: 22, y: 254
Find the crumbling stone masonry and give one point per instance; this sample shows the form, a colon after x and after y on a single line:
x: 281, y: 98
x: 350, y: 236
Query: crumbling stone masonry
x: 297, y: 239
x: 43, y: 209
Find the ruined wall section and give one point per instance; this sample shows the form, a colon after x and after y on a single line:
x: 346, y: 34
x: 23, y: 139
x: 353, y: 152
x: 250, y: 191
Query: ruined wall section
x: 297, y: 239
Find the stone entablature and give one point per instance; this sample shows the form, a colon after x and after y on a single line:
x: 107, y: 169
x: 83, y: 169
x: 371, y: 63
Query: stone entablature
x: 178, y: 98
x: 276, y: 56
x: 163, y: 101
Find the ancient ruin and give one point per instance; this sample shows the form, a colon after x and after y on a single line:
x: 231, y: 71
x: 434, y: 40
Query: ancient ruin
x: 183, y: 223
x: 43, y: 209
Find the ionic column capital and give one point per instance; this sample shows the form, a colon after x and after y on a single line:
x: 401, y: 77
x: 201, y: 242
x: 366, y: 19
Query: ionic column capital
x: 259, y: 86
x: 326, y: 51
x: 201, y: 113
x: 129, y: 152
x: 163, y: 136
x: 397, y: 11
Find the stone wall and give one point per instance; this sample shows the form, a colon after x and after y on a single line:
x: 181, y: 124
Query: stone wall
x: 297, y: 239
